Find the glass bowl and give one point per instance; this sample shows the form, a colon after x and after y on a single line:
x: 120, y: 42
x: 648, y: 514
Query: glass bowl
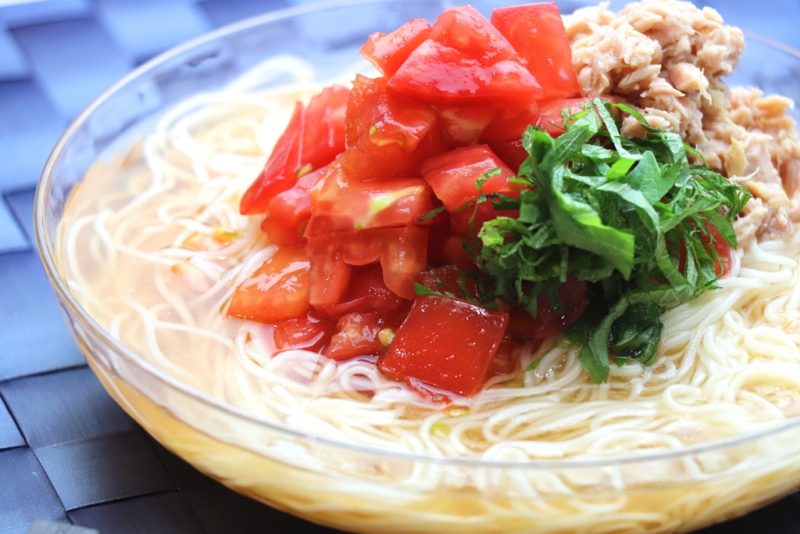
x: 356, y: 487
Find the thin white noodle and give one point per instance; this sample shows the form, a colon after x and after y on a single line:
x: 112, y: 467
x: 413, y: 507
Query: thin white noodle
x: 157, y: 276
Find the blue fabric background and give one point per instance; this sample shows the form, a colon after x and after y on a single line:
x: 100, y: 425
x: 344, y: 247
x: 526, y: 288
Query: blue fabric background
x: 67, y: 452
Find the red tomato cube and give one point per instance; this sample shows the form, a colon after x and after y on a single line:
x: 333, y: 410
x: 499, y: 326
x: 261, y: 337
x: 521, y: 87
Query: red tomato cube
x: 453, y: 176
x: 450, y: 279
x: 278, y: 290
x: 402, y: 253
x: 341, y: 203
x: 385, y: 118
x: 303, y: 333
x: 324, y: 129
x: 278, y: 174
x: 511, y: 122
x: 387, y: 51
x: 357, y: 335
x: 313, y: 137
x: 537, y: 32
x: 512, y: 153
x: 551, y: 118
x: 465, y: 60
x: 366, y: 292
x: 445, y: 343
x: 387, y: 134
x: 551, y: 319
x: 289, y: 211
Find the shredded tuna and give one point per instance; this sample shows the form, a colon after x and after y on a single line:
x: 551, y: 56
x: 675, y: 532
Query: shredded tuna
x: 666, y: 57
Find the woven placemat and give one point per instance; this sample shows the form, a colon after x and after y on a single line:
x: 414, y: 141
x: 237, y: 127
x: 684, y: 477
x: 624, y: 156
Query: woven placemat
x: 68, y: 454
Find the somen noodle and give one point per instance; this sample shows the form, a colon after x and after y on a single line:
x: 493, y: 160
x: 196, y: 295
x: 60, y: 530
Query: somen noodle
x: 153, y: 245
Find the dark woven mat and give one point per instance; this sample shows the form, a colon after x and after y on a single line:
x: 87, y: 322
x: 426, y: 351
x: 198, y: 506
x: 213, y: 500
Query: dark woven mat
x: 68, y: 454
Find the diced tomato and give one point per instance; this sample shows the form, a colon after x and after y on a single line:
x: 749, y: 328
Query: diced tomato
x: 367, y: 292
x: 446, y: 248
x: 551, y: 118
x: 387, y: 51
x: 723, y: 249
x: 537, y: 32
x: 450, y: 279
x: 340, y: 203
x: 289, y: 211
x: 367, y: 161
x: 279, y: 173
x: 387, y: 134
x: 505, y: 360
x: 454, y: 253
x: 385, y: 118
x: 512, y: 153
x: 723, y: 264
x: 356, y: 335
x: 313, y: 137
x: 465, y: 60
x: 402, y: 254
x: 550, y: 319
x: 511, y: 122
x: 463, y: 125
x: 307, y: 333
x: 278, y: 290
x: 439, y: 232
x: 445, y: 343
x: 453, y: 176
x: 403, y: 258
x: 323, y: 136
x: 460, y: 220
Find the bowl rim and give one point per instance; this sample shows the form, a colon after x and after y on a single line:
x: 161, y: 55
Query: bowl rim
x: 76, y: 311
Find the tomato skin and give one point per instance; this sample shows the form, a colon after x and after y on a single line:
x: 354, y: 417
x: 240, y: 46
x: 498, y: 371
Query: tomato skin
x: 438, y: 74
x: 402, y: 253
x: 460, y: 221
x: 403, y: 257
x: 310, y: 333
x: 445, y: 343
x: 446, y: 248
x: 550, y: 321
x: 366, y: 293
x: 324, y: 132
x: 465, y: 60
x: 511, y: 122
x: 512, y: 153
x: 505, y: 360
x: 453, y: 175
x: 537, y: 33
x: 279, y: 172
x: 448, y: 278
x: 289, y: 211
x: 551, y: 119
x: 356, y: 335
x: 329, y: 274
x: 387, y: 134
x: 387, y: 51
x: 277, y: 290
x: 723, y: 264
x: 385, y: 118
x: 313, y: 137
x: 340, y: 203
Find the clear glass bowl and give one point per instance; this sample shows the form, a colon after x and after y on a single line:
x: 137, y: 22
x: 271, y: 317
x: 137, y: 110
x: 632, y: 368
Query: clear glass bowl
x: 355, y: 487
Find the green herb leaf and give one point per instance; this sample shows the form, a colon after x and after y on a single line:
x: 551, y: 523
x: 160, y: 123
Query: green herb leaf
x: 629, y: 216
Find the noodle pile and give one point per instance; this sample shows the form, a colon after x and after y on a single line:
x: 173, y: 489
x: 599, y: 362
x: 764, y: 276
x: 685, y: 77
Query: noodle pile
x: 153, y: 246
